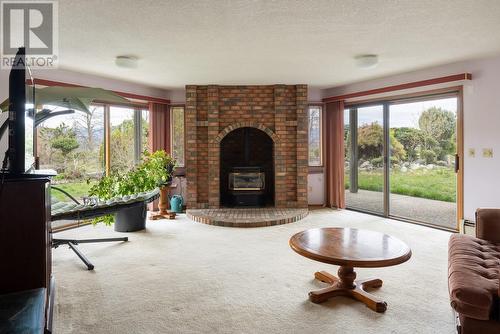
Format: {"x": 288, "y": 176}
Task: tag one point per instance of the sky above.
{"x": 117, "y": 116}
{"x": 404, "y": 115}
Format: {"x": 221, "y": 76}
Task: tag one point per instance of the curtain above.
{"x": 159, "y": 133}
{"x": 159, "y": 127}
{"x": 334, "y": 157}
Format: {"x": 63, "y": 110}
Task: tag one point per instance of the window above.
{"x": 122, "y": 139}
{"x": 315, "y": 154}
{"x": 75, "y": 145}
{"x": 144, "y": 130}
{"x": 177, "y": 141}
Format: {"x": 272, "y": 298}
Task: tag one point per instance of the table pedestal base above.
{"x": 345, "y": 285}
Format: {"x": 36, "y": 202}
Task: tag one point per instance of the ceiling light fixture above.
{"x": 366, "y": 61}
{"x": 126, "y": 61}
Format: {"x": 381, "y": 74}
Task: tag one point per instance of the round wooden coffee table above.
{"x": 349, "y": 248}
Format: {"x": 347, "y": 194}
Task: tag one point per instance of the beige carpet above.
{"x": 185, "y": 277}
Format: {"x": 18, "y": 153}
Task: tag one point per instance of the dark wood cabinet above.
{"x": 25, "y": 238}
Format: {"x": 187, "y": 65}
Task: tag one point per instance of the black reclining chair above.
{"x": 76, "y": 211}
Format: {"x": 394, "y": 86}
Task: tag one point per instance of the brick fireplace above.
{"x": 230, "y": 127}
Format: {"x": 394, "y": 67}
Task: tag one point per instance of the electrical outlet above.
{"x": 487, "y": 153}
{"x": 472, "y": 152}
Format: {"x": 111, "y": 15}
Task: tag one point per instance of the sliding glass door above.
{"x": 365, "y": 181}
{"x": 422, "y": 177}
{"x": 401, "y": 159}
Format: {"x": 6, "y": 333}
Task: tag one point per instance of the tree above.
{"x": 122, "y": 146}
{"x": 398, "y": 151}
{"x": 411, "y": 139}
{"x": 371, "y": 143}
{"x": 44, "y": 145}
{"x": 145, "y": 132}
{"x": 64, "y": 139}
{"x": 438, "y": 125}
{"x": 89, "y": 125}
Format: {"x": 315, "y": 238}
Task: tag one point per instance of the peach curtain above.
{"x": 159, "y": 133}
{"x": 334, "y": 157}
{"x": 159, "y": 127}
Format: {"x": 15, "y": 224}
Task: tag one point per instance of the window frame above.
{"x": 321, "y": 151}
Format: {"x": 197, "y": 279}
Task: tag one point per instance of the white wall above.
{"x": 314, "y": 94}
{"x": 481, "y": 123}
{"x": 177, "y": 96}
{"x": 315, "y": 189}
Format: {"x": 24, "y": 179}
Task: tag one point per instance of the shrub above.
{"x": 377, "y": 162}
{"x": 371, "y": 142}
{"x": 411, "y": 139}
{"x": 428, "y": 156}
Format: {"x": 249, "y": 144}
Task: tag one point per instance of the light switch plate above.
{"x": 472, "y": 152}
{"x": 487, "y": 153}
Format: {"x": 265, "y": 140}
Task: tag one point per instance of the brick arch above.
{"x": 238, "y": 125}
{"x": 214, "y": 163}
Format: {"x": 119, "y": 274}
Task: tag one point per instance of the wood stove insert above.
{"x": 247, "y": 186}
{"x": 247, "y": 173}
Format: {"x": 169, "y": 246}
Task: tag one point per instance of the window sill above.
{"x": 316, "y": 169}
{"x": 180, "y": 171}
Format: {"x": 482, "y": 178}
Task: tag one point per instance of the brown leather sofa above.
{"x": 473, "y": 275}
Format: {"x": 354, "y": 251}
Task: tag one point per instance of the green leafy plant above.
{"x": 371, "y": 142}
{"x": 428, "y": 156}
{"x": 155, "y": 170}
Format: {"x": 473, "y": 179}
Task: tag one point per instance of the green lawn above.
{"x": 77, "y": 189}
{"x": 438, "y": 184}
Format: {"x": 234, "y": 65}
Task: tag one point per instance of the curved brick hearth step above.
{"x": 242, "y": 217}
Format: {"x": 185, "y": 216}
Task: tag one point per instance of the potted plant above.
{"x": 155, "y": 170}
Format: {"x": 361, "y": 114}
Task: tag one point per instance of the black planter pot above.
{"x": 131, "y": 219}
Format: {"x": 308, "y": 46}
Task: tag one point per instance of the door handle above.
{"x": 457, "y": 163}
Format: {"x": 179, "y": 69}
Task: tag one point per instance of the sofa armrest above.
{"x": 488, "y": 224}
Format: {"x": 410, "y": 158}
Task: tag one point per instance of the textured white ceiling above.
{"x": 183, "y": 42}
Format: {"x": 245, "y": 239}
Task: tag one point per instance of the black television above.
{"x": 21, "y": 114}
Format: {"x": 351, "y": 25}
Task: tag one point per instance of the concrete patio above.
{"x": 420, "y": 209}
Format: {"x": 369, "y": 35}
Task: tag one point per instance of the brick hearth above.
{"x": 214, "y": 111}
{"x": 258, "y": 217}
